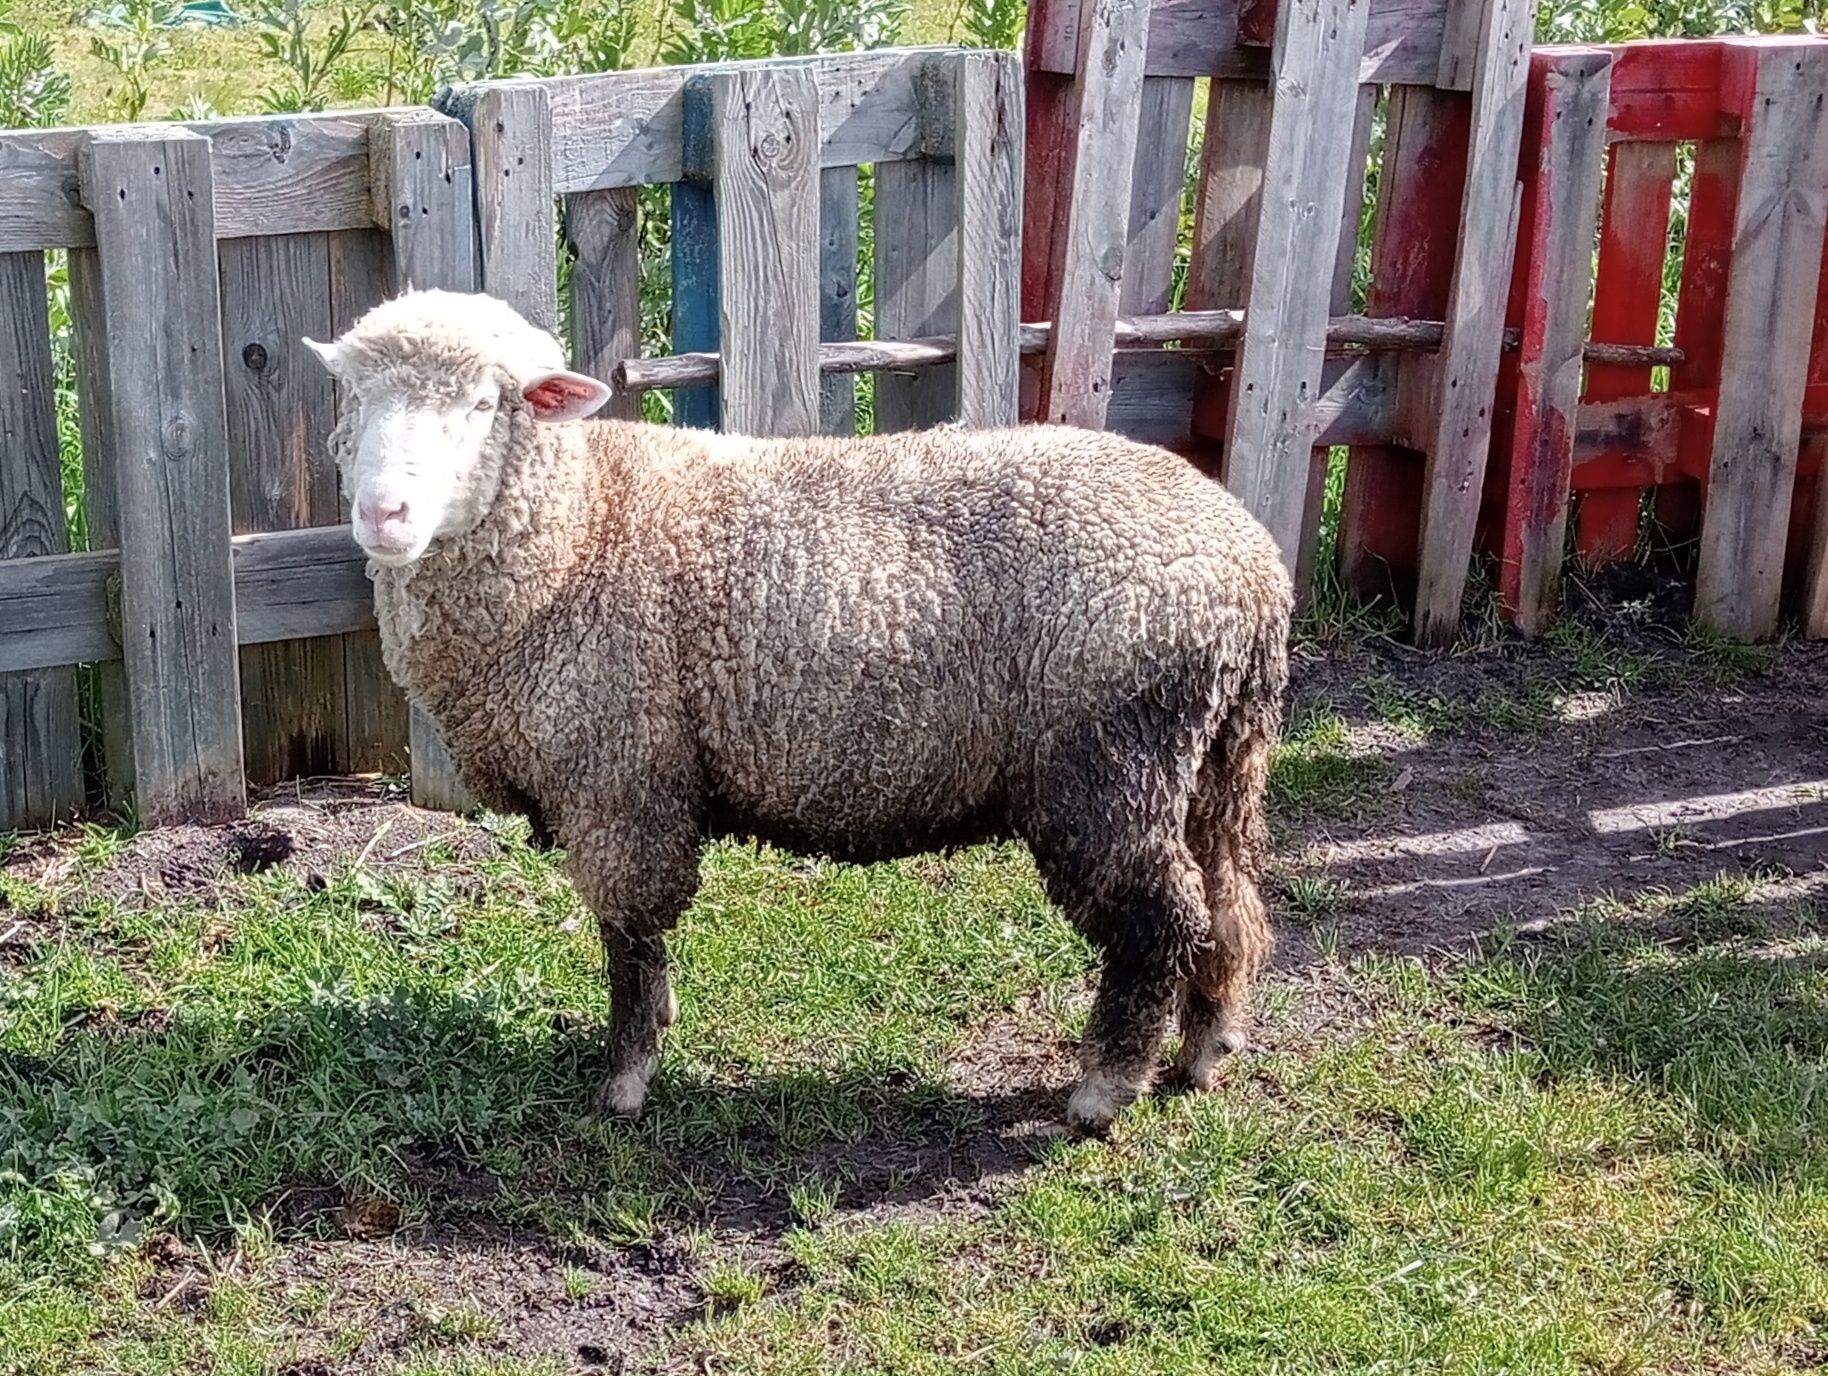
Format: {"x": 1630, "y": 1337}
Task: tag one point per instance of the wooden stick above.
{"x": 1212, "y": 330}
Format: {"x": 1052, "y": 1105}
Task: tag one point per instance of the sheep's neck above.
{"x": 448, "y": 620}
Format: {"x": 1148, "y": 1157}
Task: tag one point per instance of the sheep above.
{"x": 647, "y": 638}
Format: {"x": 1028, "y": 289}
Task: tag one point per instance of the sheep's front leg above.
{"x": 638, "y": 885}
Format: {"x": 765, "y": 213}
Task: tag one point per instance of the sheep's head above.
{"x": 435, "y": 387}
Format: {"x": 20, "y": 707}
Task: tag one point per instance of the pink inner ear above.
{"x": 558, "y": 395}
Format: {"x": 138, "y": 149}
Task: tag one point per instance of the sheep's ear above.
{"x": 330, "y": 355}
{"x": 559, "y": 396}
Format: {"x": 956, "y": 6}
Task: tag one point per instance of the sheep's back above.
{"x": 876, "y": 632}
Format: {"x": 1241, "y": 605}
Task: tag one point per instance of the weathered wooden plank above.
{"x": 275, "y": 174}
{"x": 1468, "y": 363}
{"x": 1273, "y": 429}
{"x": 1780, "y": 216}
{"x": 839, "y": 208}
{"x": 1192, "y": 38}
{"x": 1225, "y": 224}
{"x": 1156, "y": 184}
{"x": 89, "y": 331}
{"x": 917, "y": 286}
{"x": 288, "y": 584}
{"x": 280, "y": 407}
{"x": 615, "y": 129}
{"x": 603, "y": 231}
{"x": 1630, "y": 442}
{"x": 424, "y": 178}
{"x": 761, "y": 125}
{"x": 360, "y": 266}
{"x": 1627, "y": 295}
{"x": 1412, "y": 256}
{"x": 1106, "y": 107}
{"x": 511, "y": 144}
{"x": 40, "y": 736}
{"x": 1666, "y": 90}
{"x": 1564, "y": 155}
{"x": 693, "y": 265}
{"x": 987, "y": 110}
{"x": 1151, "y": 392}
{"x": 151, "y": 193}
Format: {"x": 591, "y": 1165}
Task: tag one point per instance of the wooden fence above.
{"x": 1481, "y": 279}
{"x": 222, "y": 614}
{"x": 1729, "y": 442}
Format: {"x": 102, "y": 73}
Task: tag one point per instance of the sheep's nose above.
{"x": 381, "y": 515}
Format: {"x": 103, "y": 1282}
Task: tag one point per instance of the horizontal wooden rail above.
{"x": 1210, "y": 330}
{"x": 289, "y": 584}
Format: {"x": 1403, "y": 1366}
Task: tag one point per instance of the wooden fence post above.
{"x": 1466, "y": 370}
{"x": 41, "y": 778}
{"x": 151, "y": 192}
{"x": 987, "y": 125}
{"x": 763, "y": 139}
{"x": 918, "y": 265}
{"x": 1778, "y": 223}
{"x": 839, "y": 207}
{"x": 1102, "y": 123}
{"x": 603, "y": 230}
{"x": 421, "y": 188}
{"x": 1550, "y": 280}
{"x": 1319, "y": 44}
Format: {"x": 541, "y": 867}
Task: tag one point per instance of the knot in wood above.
{"x": 770, "y": 146}
{"x": 255, "y": 356}
{"x": 177, "y": 436}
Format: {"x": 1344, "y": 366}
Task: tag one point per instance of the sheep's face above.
{"x": 424, "y": 455}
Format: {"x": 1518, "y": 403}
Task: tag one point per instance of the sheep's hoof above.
{"x": 622, "y": 1094}
{"x": 1097, "y": 1101}
{"x": 1198, "y": 1064}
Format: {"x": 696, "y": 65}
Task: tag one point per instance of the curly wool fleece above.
{"x": 648, "y": 637}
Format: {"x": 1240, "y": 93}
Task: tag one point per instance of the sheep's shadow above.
{"x": 432, "y": 1109}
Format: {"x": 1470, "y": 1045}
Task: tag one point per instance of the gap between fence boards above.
{"x": 1216, "y": 331}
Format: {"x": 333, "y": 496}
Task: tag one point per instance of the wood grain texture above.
{"x": 626, "y": 128}
{"x": 1627, "y": 297}
{"x": 1273, "y": 427}
{"x": 1412, "y": 257}
{"x": 1193, "y": 38}
{"x": 1225, "y": 214}
{"x": 1780, "y": 214}
{"x": 693, "y": 265}
{"x": 602, "y": 229}
{"x": 917, "y": 286}
{"x": 288, "y": 584}
{"x": 1467, "y": 369}
{"x": 151, "y": 193}
{"x": 280, "y": 406}
{"x": 764, "y": 140}
{"x": 275, "y": 174}
{"x": 839, "y": 209}
{"x": 1106, "y": 110}
{"x": 41, "y": 778}
{"x": 88, "y": 328}
{"x": 511, "y": 144}
{"x": 988, "y": 116}
{"x": 424, "y": 180}
{"x": 360, "y": 268}
{"x": 1152, "y": 390}
{"x": 1564, "y": 156}
{"x": 1156, "y": 183}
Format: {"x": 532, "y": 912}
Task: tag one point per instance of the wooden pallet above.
{"x": 1732, "y": 446}
{"x": 1282, "y": 177}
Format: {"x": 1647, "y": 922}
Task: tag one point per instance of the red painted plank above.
{"x": 1634, "y": 238}
{"x": 1412, "y": 258}
{"x": 1668, "y": 90}
{"x": 1533, "y": 438}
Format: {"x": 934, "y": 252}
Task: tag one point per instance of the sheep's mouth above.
{"x": 391, "y": 553}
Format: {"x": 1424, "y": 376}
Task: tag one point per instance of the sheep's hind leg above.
{"x": 642, "y": 1005}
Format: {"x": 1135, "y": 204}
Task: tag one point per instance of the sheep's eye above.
{"x": 484, "y": 406}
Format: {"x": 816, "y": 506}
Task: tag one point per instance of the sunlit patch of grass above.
{"x": 1317, "y": 769}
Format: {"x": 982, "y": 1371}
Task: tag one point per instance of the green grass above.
{"x": 1596, "y": 1151}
